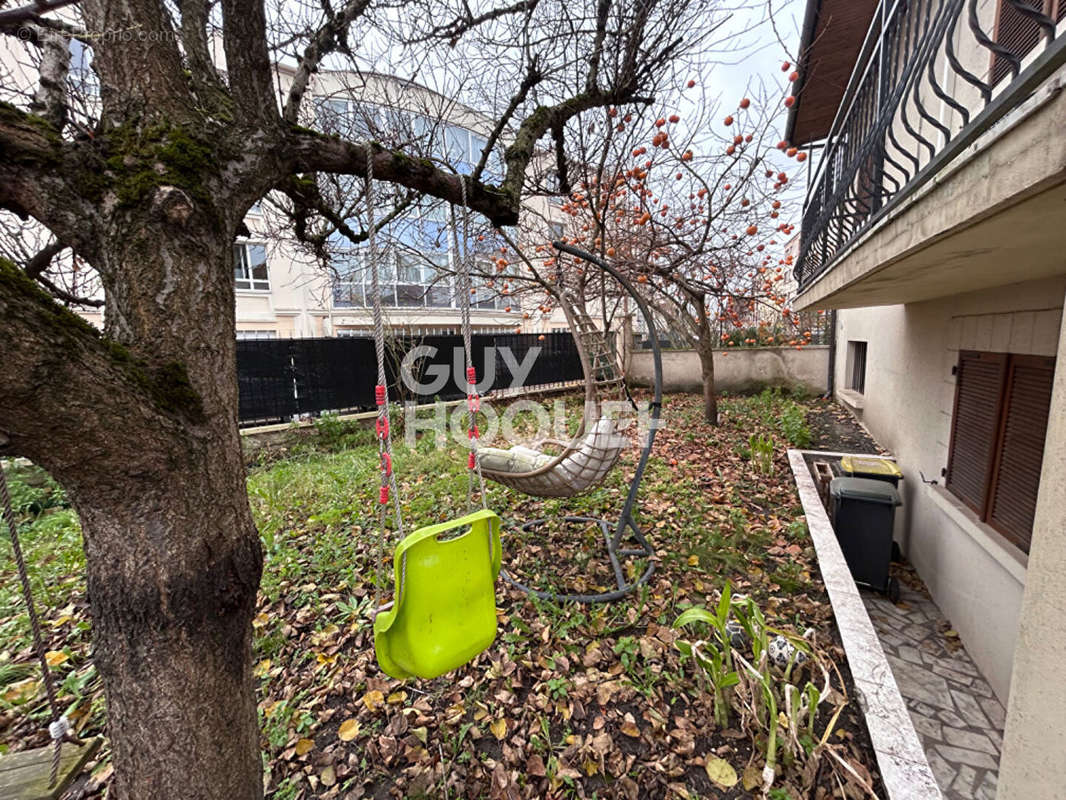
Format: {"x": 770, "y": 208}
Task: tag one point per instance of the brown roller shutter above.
{"x": 974, "y": 424}
{"x": 1012, "y": 496}
{"x": 1018, "y": 33}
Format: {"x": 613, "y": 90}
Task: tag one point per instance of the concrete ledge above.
{"x": 738, "y": 369}
{"x": 854, "y": 400}
{"x": 904, "y": 768}
{"x": 1006, "y": 554}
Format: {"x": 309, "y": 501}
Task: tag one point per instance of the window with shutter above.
{"x": 1020, "y": 451}
{"x": 997, "y": 438}
{"x": 974, "y": 424}
{"x": 1020, "y": 33}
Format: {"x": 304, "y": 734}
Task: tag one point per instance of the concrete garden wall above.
{"x": 742, "y": 369}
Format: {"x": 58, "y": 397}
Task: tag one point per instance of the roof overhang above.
{"x": 831, "y": 43}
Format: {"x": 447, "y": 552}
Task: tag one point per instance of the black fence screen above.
{"x": 282, "y": 378}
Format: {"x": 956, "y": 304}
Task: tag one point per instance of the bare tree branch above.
{"x": 40, "y": 261}
{"x": 50, "y": 100}
{"x": 324, "y": 42}
{"x": 468, "y": 21}
{"x": 30, "y": 12}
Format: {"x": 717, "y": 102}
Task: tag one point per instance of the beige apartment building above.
{"x": 282, "y": 291}
{"x": 935, "y": 225}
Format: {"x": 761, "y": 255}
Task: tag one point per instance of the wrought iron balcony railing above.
{"x": 932, "y": 76}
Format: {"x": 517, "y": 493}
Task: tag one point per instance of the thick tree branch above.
{"x": 248, "y": 57}
{"x": 561, "y": 167}
{"x": 194, "y": 16}
{"x": 592, "y": 78}
{"x": 33, "y": 30}
{"x": 50, "y": 99}
{"x": 65, "y": 385}
{"x": 30, "y": 12}
{"x": 142, "y": 74}
{"x": 36, "y": 265}
{"x": 546, "y": 118}
{"x": 308, "y": 151}
{"x": 39, "y": 175}
{"x": 331, "y": 35}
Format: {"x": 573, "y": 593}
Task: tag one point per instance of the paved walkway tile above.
{"x": 956, "y": 714}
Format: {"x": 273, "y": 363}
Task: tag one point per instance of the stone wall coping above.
{"x": 905, "y": 771}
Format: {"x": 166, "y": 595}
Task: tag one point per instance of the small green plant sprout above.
{"x": 764, "y": 678}
{"x": 762, "y": 453}
{"x": 793, "y": 424}
{"x": 714, "y": 656}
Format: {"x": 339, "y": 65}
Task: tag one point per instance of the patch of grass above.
{"x": 708, "y": 515}
{"x": 51, "y": 543}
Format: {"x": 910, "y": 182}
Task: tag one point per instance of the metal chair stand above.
{"x": 615, "y": 540}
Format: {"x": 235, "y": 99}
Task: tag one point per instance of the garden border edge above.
{"x": 905, "y": 770}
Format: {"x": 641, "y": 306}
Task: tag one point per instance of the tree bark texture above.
{"x": 705, "y": 349}
{"x": 140, "y": 427}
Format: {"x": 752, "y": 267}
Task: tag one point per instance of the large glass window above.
{"x": 414, "y": 273}
{"x": 439, "y": 289}
{"x": 250, "y": 268}
{"x": 348, "y": 286}
{"x": 408, "y": 280}
{"x": 410, "y": 285}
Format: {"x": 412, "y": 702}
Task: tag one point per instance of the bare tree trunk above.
{"x": 705, "y": 350}
{"x": 141, "y": 430}
{"x": 705, "y": 343}
{"x": 174, "y": 564}
{"x": 174, "y": 557}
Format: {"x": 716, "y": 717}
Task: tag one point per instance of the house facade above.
{"x": 935, "y": 228}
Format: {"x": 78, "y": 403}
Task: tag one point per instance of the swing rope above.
{"x": 387, "y": 486}
{"x": 59, "y": 727}
{"x": 473, "y": 399}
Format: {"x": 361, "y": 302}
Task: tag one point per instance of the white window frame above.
{"x": 244, "y": 263}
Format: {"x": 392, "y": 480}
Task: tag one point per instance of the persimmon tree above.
{"x": 693, "y": 206}
{"x": 148, "y": 185}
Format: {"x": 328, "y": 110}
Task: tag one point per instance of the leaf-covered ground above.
{"x": 570, "y": 701}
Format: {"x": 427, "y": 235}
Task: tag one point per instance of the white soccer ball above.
{"x": 780, "y": 650}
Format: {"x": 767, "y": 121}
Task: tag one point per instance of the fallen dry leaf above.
{"x": 499, "y": 728}
{"x": 721, "y": 772}
{"x": 373, "y": 699}
{"x": 328, "y": 776}
{"x": 535, "y": 766}
{"x": 348, "y": 730}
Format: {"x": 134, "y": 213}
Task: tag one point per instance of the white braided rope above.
{"x": 60, "y": 728}
{"x": 464, "y": 257}
{"x": 388, "y": 476}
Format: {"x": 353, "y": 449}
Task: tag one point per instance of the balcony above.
{"x": 944, "y": 162}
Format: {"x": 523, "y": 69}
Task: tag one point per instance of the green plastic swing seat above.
{"x": 444, "y": 612}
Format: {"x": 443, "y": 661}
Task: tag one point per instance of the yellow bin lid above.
{"x": 870, "y": 465}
